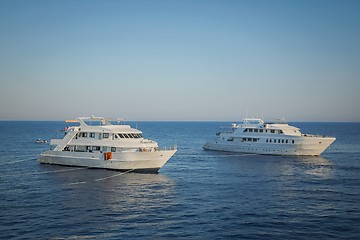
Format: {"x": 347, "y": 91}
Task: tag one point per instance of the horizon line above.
{"x": 126, "y": 120}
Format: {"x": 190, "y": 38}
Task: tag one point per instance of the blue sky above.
{"x": 180, "y": 60}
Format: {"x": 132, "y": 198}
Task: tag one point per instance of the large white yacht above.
{"x": 106, "y": 143}
{"x": 278, "y": 138}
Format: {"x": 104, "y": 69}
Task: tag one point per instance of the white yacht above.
{"x": 278, "y": 138}
{"x": 106, "y": 143}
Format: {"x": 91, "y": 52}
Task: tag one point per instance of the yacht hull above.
{"x": 124, "y": 161}
{"x": 306, "y": 146}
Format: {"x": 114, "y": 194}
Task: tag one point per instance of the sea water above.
{"x": 198, "y": 194}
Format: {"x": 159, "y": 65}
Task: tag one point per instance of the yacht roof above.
{"x": 104, "y": 124}
{"x": 279, "y": 123}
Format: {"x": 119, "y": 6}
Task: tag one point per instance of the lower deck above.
{"x": 299, "y": 147}
{"x": 122, "y": 161}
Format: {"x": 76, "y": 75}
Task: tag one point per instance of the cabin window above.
{"x": 92, "y": 135}
{"x": 270, "y": 140}
{"x": 256, "y": 130}
{"x": 230, "y": 139}
{"x": 245, "y": 130}
{"x": 249, "y": 139}
{"x": 282, "y": 141}
{"x": 293, "y": 141}
{"x": 267, "y": 140}
{"x": 281, "y": 131}
{"x": 125, "y": 135}
{"x": 95, "y": 148}
{"x": 278, "y": 140}
{"x": 113, "y": 149}
{"x": 104, "y": 149}
{"x": 272, "y": 131}
{"x": 105, "y": 135}
{"x": 250, "y": 130}
{"x": 261, "y": 130}
{"x": 84, "y": 135}
{"x": 287, "y": 141}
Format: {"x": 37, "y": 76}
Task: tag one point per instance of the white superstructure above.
{"x": 256, "y": 136}
{"x": 110, "y": 144}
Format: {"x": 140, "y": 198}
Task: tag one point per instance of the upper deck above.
{"x": 101, "y": 133}
{"x": 257, "y": 125}
{"x": 101, "y": 124}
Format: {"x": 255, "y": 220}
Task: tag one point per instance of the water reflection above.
{"x": 317, "y": 166}
{"x": 117, "y": 194}
{"x": 270, "y": 165}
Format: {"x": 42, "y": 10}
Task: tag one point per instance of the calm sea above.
{"x": 197, "y": 195}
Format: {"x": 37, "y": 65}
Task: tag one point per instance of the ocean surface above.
{"x": 198, "y": 194}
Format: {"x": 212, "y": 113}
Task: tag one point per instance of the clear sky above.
{"x": 180, "y": 60}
